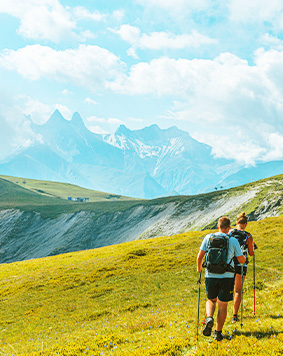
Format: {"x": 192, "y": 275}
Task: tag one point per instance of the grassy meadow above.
{"x": 137, "y": 298}
{"x": 62, "y": 190}
{"x": 50, "y": 198}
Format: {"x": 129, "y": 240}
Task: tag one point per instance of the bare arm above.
{"x": 199, "y": 260}
{"x": 250, "y": 244}
{"x": 241, "y": 259}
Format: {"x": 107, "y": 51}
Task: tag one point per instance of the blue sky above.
{"x": 213, "y": 68}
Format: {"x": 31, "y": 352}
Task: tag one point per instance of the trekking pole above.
{"x": 255, "y": 247}
{"x": 199, "y": 282}
{"x": 242, "y": 293}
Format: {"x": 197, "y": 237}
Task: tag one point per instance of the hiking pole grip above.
{"x": 199, "y": 282}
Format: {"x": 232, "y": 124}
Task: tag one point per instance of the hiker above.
{"x": 219, "y": 277}
{"x": 247, "y": 245}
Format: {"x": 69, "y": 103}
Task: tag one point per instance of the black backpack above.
{"x": 216, "y": 259}
{"x": 242, "y": 237}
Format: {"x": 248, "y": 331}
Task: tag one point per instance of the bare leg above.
{"x": 221, "y": 316}
{"x": 210, "y": 306}
{"x": 237, "y": 292}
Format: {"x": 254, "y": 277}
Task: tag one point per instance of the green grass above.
{"x": 137, "y": 298}
{"x": 50, "y": 198}
{"x": 62, "y": 190}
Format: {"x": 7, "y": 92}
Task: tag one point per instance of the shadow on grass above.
{"x": 258, "y": 334}
{"x": 276, "y": 316}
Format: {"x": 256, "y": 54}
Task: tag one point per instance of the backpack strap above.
{"x": 229, "y": 267}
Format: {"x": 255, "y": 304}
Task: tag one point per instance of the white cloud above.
{"x": 257, "y": 11}
{"x": 96, "y": 119}
{"x": 239, "y": 147}
{"x": 98, "y": 130}
{"x": 8, "y": 137}
{"x": 90, "y": 101}
{"x": 64, "y": 110}
{"x": 226, "y": 94}
{"x": 86, "y": 35}
{"x": 129, "y": 33}
{"x": 67, "y": 92}
{"x": 275, "y": 143}
{"x": 135, "y": 119}
{"x": 89, "y": 66}
{"x": 114, "y": 121}
{"x": 178, "y": 6}
{"x": 226, "y": 78}
{"x": 271, "y": 41}
{"x": 160, "y": 40}
{"x": 16, "y": 132}
{"x": 118, "y": 15}
{"x": 38, "y": 111}
{"x": 82, "y": 13}
{"x": 111, "y": 120}
{"x": 248, "y": 150}
{"x": 45, "y": 19}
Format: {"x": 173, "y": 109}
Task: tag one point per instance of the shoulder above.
{"x": 249, "y": 238}
{"x": 205, "y": 242}
{"x": 236, "y": 232}
{"x": 249, "y": 235}
{"x": 222, "y": 235}
{"x": 233, "y": 240}
{"x": 208, "y": 236}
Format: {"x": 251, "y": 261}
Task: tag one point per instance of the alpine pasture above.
{"x": 137, "y": 298}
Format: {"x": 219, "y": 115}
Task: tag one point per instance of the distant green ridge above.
{"x": 63, "y": 190}
{"x": 12, "y": 195}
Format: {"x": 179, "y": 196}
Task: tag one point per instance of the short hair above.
{"x": 224, "y": 222}
{"x": 242, "y": 219}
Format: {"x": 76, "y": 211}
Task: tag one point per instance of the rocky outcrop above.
{"x": 26, "y": 235}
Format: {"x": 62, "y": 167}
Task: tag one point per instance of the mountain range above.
{"x": 146, "y": 163}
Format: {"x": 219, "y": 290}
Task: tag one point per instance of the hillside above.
{"x": 12, "y": 195}
{"x": 137, "y": 299}
{"x": 55, "y": 190}
{"x": 38, "y": 225}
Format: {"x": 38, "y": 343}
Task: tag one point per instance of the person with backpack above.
{"x": 247, "y": 245}
{"x": 219, "y": 250}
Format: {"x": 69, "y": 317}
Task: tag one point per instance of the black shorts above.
{"x": 220, "y": 287}
{"x": 238, "y": 270}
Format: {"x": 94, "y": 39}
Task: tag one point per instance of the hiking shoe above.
{"x": 208, "y": 326}
{"x": 218, "y": 336}
{"x": 235, "y": 318}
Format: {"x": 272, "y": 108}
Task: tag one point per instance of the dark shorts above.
{"x": 238, "y": 270}
{"x": 220, "y": 287}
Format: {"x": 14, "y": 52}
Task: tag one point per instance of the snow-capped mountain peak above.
{"x": 144, "y": 163}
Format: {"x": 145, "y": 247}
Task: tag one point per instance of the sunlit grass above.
{"x": 137, "y": 298}
{"x": 61, "y": 190}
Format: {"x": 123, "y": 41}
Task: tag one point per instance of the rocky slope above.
{"x": 26, "y": 234}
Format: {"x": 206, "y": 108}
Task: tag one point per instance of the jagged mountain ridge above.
{"x": 172, "y": 157}
{"x": 145, "y": 163}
